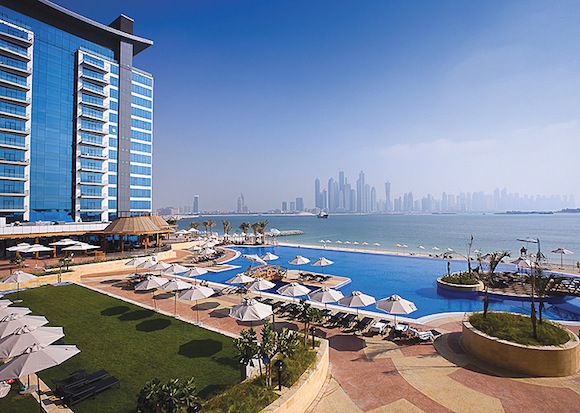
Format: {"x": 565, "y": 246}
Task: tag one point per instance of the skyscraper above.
{"x": 388, "y": 204}
{"x": 76, "y": 118}
{"x": 196, "y": 204}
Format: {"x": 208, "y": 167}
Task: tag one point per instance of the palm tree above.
{"x": 541, "y": 287}
{"x": 194, "y": 225}
{"x": 245, "y": 226}
{"x": 255, "y": 227}
{"x": 210, "y": 224}
{"x": 206, "y": 225}
{"x": 308, "y": 315}
{"x": 227, "y": 226}
{"x": 262, "y": 229}
{"x": 486, "y": 278}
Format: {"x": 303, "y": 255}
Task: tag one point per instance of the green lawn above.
{"x": 133, "y": 344}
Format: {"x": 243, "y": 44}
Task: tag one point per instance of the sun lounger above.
{"x": 74, "y": 376}
{"x": 337, "y": 318}
{"x": 90, "y": 390}
{"x": 379, "y": 327}
{"x": 73, "y": 387}
{"x": 364, "y": 323}
{"x": 422, "y": 335}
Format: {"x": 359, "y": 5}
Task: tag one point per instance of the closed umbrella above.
{"x": 396, "y": 305}
{"x": 326, "y": 295}
{"x": 562, "y": 251}
{"x": 19, "y": 277}
{"x": 357, "y": 299}
{"x": 251, "y": 310}
{"x": 196, "y": 292}
{"x": 17, "y": 343}
{"x": 175, "y": 285}
{"x": 29, "y": 322}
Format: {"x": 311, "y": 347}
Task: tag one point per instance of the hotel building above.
{"x": 76, "y": 118}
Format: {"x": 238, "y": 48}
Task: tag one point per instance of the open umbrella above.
{"x": 135, "y": 262}
{"x": 396, "y": 305}
{"x": 174, "y": 269}
{"x": 5, "y": 303}
{"x": 254, "y": 258}
{"x": 35, "y": 359}
{"x": 147, "y": 263}
{"x": 63, "y": 242}
{"x": 159, "y": 266}
{"x": 326, "y": 295}
{"x": 81, "y": 246}
{"x": 240, "y": 278}
{"x": 151, "y": 283}
{"x": 260, "y": 284}
{"x": 299, "y": 260}
{"x": 12, "y": 313}
{"x": 269, "y": 257}
{"x": 251, "y": 310}
{"x": 194, "y": 272}
{"x": 357, "y": 299}
{"x": 322, "y": 262}
{"x": 29, "y": 322}
{"x": 562, "y": 251}
{"x": 19, "y": 247}
{"x": 196, "y": 292}
{"x": 35, "y": 249}
{"x": 17, "y": 343}
{"x": 19, "y": 277}
{"x": 293, "y": 289}
{"x": 175, "y": 285}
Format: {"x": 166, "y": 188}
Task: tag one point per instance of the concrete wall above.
{"x": 550, "y": 361}
{"x": 306, "y": 389}
{"x": 458, "y": 287}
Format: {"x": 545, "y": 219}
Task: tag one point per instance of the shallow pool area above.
{"x": 413, "y": 278}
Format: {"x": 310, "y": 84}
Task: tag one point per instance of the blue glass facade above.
{"x": 59, "y": 104}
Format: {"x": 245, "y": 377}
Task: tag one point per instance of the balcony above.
{"x": 97, "y": 91}
{"x": 98, "y": 131}
{"x": 12, "y": 208}
{"x": 104, "y": 81}
{"x": 92, "y": 142}
{"x": 15, "y": 68}
{"x": 94, "y": 103}
{"x": 91, "y": 155}
{"x": 92, "y": 168}
{"x": 15, "y": 36}
{"x": 13, "y": 144}
{"x": 13, "y": 176}
{"x": 92, "y": 208}
{"x": 91, "y": 116}
{"x": 13, "y": 114}
{"x": 91, "y": 195}
{"x": 14, "y": 82}
{"x": 94, "y": 65}
{"x": 13, "y": 192}
{"x": 14, "y": 161}
{"x": 95, "y": 182}
{"x": 11, "y": 50}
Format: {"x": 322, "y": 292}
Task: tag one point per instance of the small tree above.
{"x": 247, "y": 346}
{"x": 170, "y": 397}
{"x": 486, "y": 278}
{"x": 268, "y": 350}
{"x": 540, "y": 286}
{"x": 18, "y": 261}
{"x": 308, "y": 315}
{"x": 288, "y": 342}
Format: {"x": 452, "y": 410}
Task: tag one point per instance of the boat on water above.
{"x": 322, "y": 214}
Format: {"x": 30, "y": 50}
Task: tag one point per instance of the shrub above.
{"x": 518, "y": 329}
{"x": 461, "y": 278}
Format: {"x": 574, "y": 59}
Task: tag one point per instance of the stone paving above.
{"x": 377, "y": 375}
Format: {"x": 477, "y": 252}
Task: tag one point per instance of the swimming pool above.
{"x": 413, "y": 278}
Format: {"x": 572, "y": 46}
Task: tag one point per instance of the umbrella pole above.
{"x": 175, "y": 305}
{"x": 38, "y": 390}
{"x": 197, "y": 311}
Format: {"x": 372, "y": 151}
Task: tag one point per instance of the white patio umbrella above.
{"x": 357, "y": 299}
{"x": 338, "y": 242}
{"x": 5, "y": 303}
{"x": 299, "y": 260}
{"x": 175, "y": 286}
{"x": 196, "y": 292}
{"x": 81, "y": 246}
{"x": 148, "y": 263}
{"x": 151, "y": 283}
{"x": 208, "y": 251}
{"x": 135, "y": 262}
{"x": 326, "y": 295}
{"x": 29, "y": 322}
{"x": 251, "y": 310}
{"x": 194, "y": 272}
{"x": 396, "y": 305}
{"x": 522, "y": 262}
{"x": 174, "y": 269}
{"x": 35, "y": 249}
{"x": 19, "y": 247}
{"x": 365, "y": 243}
{"x": 322, "y": 262}
{"x": 260, "y": 284}
{"x": 63, "y": 242}
{"x": 35, "y": 359}
{"x": 19, "y": 277}
{"x": 434, "y": 248}
{"x": 269, "y": 257}
{"x": 293, "y": 289}
{"x": 159, "y": 266}
{"x": 195, "y": 248}
{"x": 12, "y": 313}
{"x": 240, "y": 278}
{"x": 17, "y": 343}
{"x": 254, "y": 258}
{"x": 562, "y": 251}
{"x": 421, "y": 247}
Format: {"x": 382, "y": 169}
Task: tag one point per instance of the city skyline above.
{"x": 436, "y": 96}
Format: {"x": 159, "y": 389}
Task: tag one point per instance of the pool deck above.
{"x": 372, "y": 374}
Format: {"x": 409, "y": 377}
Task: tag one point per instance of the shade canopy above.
{"x": 326, "y": 295}
{"x": 194, "y": 272}
{"x": 12, "y": 313}
{"x": 5, "y": 303}
{"x": 63, "y": 242}
{"x": 27, "y": 322}
{"x": 269, "y": 257}
{"x": 240, "y": 279}
{"x": 562, "y": 251}
{"x": 260, "y": 284}
{"x": 36, "y": 359}
{"x": 36, "y": 248}
{"x": 147, "y": 263}
{"x": 293, "y": 289}
{"x": 151, "y": 283}
{"x": 175, "y": 269}
{"x": 81, "y": 246}
{"x": 175, "y": 285}
{"x": 159, "y": 266}
{"x": 135, "y": 262}
{"x": 396, "y": 305}
{"x": 254, "y": 258}
{"x": 18, "y": 247}
{"x": 299, "y": 260}
{"x": 523, "y": 263}
{"x": 322, "y": 262}
{"x": 196, "y": 292}
{"x": 19, "y": 277}
{"x": 357, "y": 299}
{"x": 16, "y": 344}
{"x": 251, "y": 310}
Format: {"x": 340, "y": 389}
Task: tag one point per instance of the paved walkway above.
{"x": 372, "y": 374}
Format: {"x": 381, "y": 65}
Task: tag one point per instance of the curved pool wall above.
{"x": 411, "y": 277}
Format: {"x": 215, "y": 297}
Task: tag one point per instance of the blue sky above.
{"x": 261, "y": 97}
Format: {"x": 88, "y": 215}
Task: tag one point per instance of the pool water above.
{"x": 413, "y": 278}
